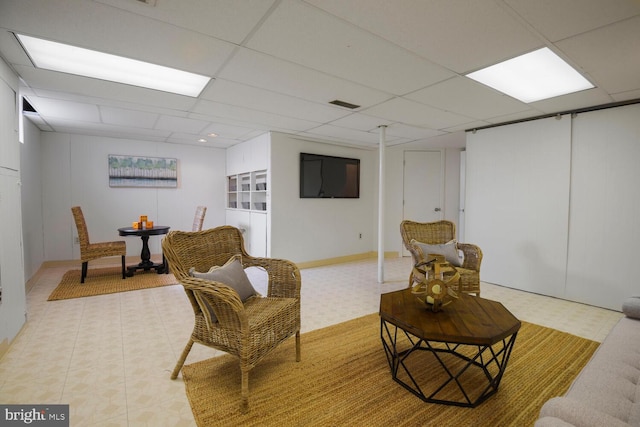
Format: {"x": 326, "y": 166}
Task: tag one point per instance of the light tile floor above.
{"x": 110, "y": 356}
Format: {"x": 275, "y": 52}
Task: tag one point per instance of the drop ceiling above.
{"x": 277, "y": 64}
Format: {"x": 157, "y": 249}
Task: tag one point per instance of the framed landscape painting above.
{"x": 132, "y": 171}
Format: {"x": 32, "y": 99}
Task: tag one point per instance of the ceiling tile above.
{"x": 609, "y": 55}
{"x": 464, "y": 96}
{"x": 573, "y": 101}
{"x": 227, "y": 131}
{"x": 129, "y": 118}
{"x": 411, "y": 132}
{"x": 260, "y": 70}
{"x": 242, "y": 95}
{"x": 276, "y": 122}
{"x": 101, "y": 129}
{"x": 557, "y": 20}
{"x": 461, "y": 36}
{"x": 307, "y": 36}
{"x": 228, "y": 20}
{"x": 66, "y": 83}
{"x": 66, "y": 110}
{"x": 351, "y": 135}
{"x": 181, "y": 124}
{"x": 417, "y": 114}
{"x": 361, "y": 122}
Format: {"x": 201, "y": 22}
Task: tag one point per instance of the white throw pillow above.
{"x": 449, "y": 250}
{"x": 631, "y": 307}
{"x": 231, "y": 274}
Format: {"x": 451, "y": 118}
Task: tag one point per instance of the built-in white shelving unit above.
{"x": 247, "y": 191}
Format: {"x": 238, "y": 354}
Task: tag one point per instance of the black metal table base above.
{"x": 472, "y": 373}
{"x": 146, "y": 264}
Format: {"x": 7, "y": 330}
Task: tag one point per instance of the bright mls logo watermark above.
{"x": 36, "y": 415}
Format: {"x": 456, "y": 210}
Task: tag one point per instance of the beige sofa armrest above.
{"x": 576, "y": 413}
{"x": 552, "y": 422}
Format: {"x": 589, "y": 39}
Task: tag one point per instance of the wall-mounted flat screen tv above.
{"x": 328, "y": 177}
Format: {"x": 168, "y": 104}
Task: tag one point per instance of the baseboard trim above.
{"x": 344, "y": 259}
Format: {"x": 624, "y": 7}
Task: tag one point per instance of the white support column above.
{"x": 381, "y": 200}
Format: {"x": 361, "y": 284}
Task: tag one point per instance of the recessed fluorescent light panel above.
{"x": 89, "y": 63}
{"x": 537, "y": 75}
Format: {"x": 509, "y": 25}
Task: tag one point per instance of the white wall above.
{"x": 13, "y": 303}
{"x": 305, "y": 230}
{"x": 32, "y": 219}
{"x": 75, "y": 172}
{"x": 314, "y": 229}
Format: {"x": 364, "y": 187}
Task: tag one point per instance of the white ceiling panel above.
{"x": 188, "y": 139}
{"x": 181, "y": 124}
{"x": 574, "y": 101}
{"x": 626, "y": 96}
{"x": 83, "y": 86}
{"x": 101, "y": 129}
{"x": 351, "y": 135}
{"x": 128, "y": 118}
{"x": 362, "y": 122}
{"x": 557, "y": 20}
{"x": 467, "y": 97}
{"x": 66, "y": 110}
{"x": 306, "y": 36}
{"x": 259, "y": 70}
{"x": 229, "y": 20}
{"x": 610, "y": 55}
{"x": 411, "y": 133}
{"x": 413, "y": 113}
{"x": 276, "y": 64}
{"x": 241, "y": 95}
{"x": 227, "y": 131}
{"x": 459, "y": 35}
{"x": 249, "y": 115}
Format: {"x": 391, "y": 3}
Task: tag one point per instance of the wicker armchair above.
{"x": 441, "y": 232}
{"x": 198, "y": 220}
{"x": 248, "y": 330}
{"x": 90, "y": 251}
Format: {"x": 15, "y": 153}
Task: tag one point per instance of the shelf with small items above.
{"x": 247, "y": 191}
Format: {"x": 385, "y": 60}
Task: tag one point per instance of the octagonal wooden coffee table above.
{"x": 456, "y": 356}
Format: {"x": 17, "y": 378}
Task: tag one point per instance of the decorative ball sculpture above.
{"x": 434, "y": 280}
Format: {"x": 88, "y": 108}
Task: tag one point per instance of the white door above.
{"x": 423, "y": 187}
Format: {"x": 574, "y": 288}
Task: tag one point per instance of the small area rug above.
{"x": 344, "y": 380}
{"x": 100, "y": 281}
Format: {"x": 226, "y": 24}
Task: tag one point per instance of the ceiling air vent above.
{"x": 27, "y": 107}
{"x": 344, "y": 104}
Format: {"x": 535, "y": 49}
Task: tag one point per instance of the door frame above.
{"x": 441, "y": 202}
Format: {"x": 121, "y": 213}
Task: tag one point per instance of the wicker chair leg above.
{"x": 244, "y": 403}
{"x": 84, "y": 271}
{"x": 298, "y": 346}
{"x": 183, "y": 357}
{"x": 124, "y": 269}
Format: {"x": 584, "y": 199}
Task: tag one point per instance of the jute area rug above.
{"x": 344, "y": 380}
{"x": 102, "y": 281}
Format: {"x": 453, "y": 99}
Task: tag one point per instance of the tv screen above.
{"x": 328, "y": 177}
